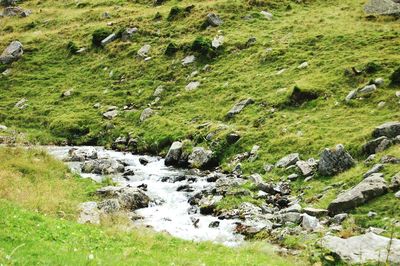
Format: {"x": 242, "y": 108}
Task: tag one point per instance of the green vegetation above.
{"x": 38, "y": 200}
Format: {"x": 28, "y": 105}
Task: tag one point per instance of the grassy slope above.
{"x": 38, "y": 199}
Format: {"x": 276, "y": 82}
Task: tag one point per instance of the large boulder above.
{"x": 103, "y": 167}
{"x": 200, "y": 157}
{"x": 389, "y": 130}
{"x": 239, "y": 107}
{"x": 133, "y": 199}
{"x": 368, "y": 248}
{"x": 288, "y": 160}
{"x": 377, "y": 145}
{"x": 370, "y": 188}
{"x": 81, "y": 154}
{"x": 89, "y": 213}
{"x": 174, "y": 154}
{"x": 334, "y": 161}
{"x": 13, "y": 52}
{"x": 383, "y": 7}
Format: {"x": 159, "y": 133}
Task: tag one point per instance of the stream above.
{"x": 169, "y": 210}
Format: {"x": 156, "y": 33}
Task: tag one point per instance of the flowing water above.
{"x": 170, "y": 214}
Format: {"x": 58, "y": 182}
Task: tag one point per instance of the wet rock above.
{"x": 200, "y": 157}
{"x": 89, "y": 213}
{"x": 174, "y": 154}
{"x": 208, "y": 204}
{"x": 146, "y": 114}
{"x": 382, "y": 7}
{"x": 389, "y": 130}
{"x": 133, "y": 199}
{"x": 364, "y": 248}
{"x": 143, "y": 161}
{"x": 185, "y": 188}
{"x": 288, "y": 160}
{"x": 375, "y": 169}
{"x": 195, "y": 221}
{"x": 334, "y": 161}
{"x": 214, "y": 224}
{"x": 13, "y": 52}
{"x": 239, "y": 107}
{"x": 128, "y": 172}
{"x": 370, "y": 188}
{"x": 109, "y": 206}
{"x": 81, "y": 155}
{"x": 103, "y": 167}
{"x": 377, "y": 145}
{"x": 316, "y": 212}
{"x": 214, "y": 20}
{"x": 310, "y": 223}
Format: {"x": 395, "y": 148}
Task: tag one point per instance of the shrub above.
{"x": 372, "y": 67}
{"x": 395, "y": 78}
{"x": 172, "y": 48}
{"x": 178, "y": 12}
{"x": 99, "y": 35}
{"x": 203, "y": 47}
{"x": 72, "y": 48}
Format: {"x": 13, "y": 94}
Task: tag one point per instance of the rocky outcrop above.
{"x": 89, "y": 213}
{"x": 382, "y": 7}
{"x": 368, "y": 248}
{"x": 200, "y": 157}
{"x": 376, "y": 145}
{"x": 370, "y": 188}
{"x": 12, "y": 53}
{"x": 335, "y": 161}
{"x": 103, "y": 167}
{"x": 288, "y": 160}
{"x": 389, "y": 130}
{"x": 239, "y": 107}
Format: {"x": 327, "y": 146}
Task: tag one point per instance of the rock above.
{"x": 143, "y": 161}
{"x": 89, "y": 213}
{"x": 375, "y": 169}
{"x": 110, "y": 38}
{"x": 127, "y": 34}
{"x": 379, "y": 82}
{"x": 67, "y": 93}
{"x": 109, "y": 206}
{"x": 13, "y": 52}
{"x": 352, "y": 94}
{"x": 103, "y": 167}
{"x": 397, "y": 194}
{"x": 367, "y": 89}
{"x": 143, "y": 52}
{"x": 381, "y": 104}
{"x": 81, "y": 155}
{"x": 214, "y": 224}
{"x": 377, "y": 145}
{"x": 146, "y": 114}
{"x": 372, "y": 214}
{"x": 214, "y": 20}
{"x": 109, "y": 191}
{"x": 390, "y": 159}
{"x": 389, "y": 130}
{"x": 303, "y": 65}
{"x": 188, "y": 60}
{"x": 239, "y": 107}
{"x": 232, "y": 138}
{"x": 208, "y": 204}
{"x": 267, "y": 15}
{"x": 174, "y": 154}
{"x": 22, "y": 104}
{"x": 395, "y": 182}
{"x": 293, "y": 177}
{"x": 382, "y": 7}
{"x": 335, "y": 161}
{"x": 310, "y": 223}
{"x": 290, "y": 217}
{"x": 200, "y": 157}
{"x": 3, "y": 128}
{"x": 192, "y": 86}
{"x": 133, "y": 199}
{"x": 339, "y": 218}
{"x": 225, "y": 184}
{"x": 288, "y": 160}
{"x": 254, "y": 153}
{"x": 315, "y": 212}
{"x": 218, "y": 41}
{"x": 13, "y": 11}
{"x": 306, "y": 167}
{"x": 293, "y": 208}
{"x": 260, "y": 184}
{"x": 110, "y": 114}
{"x": 158, "y": 91}
{"x": 365, "y": 248}
{"x": 268, "y": 167}
{"x": 368, "y": 189}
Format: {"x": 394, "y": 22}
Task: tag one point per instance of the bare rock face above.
{"x": 383, "y": 7}
{"x": 335, "y": 161}
{"x": 389, "y": 130}
{"x": 12, "y": 53}
{"x": 370, "y": 188}
{"x": 364, "y": 248}
{"x": 133, "y": 199}
{"x": 200, "y": 157}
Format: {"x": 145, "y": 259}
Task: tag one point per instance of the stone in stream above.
{"x": 288, "y": 160}
{"x": 214, "y": 224}
{"x": 133, "y": 199}
{"x": 174, "y": 154}
{"x": 389, "y": 130}
{"x": 89, "y": 213}
{"x": 383, "y": 7}
{"x": 13, "y": 52}
{"x": 239, "y": 107}
{"x": 103, "y": 167}
{"x": 367, "y": 248}
{"x": 81, "y": 155}
{"x": 208, "y": 204}
{"x": 368, "y": 189}
{"x": 335, "y": 161}
{"x": 200, "y": 157}
{"x": 377, "y": 145}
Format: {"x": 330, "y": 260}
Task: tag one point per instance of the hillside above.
{"x": 309, "y": 74}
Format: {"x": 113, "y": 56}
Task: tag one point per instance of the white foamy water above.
{"x": 170, "y": 214}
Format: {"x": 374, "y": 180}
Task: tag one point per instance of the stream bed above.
{"x": 169, "y": 210}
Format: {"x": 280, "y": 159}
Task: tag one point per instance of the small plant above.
{"x": 99, "y": 35}
{"x": 171, "y": 49}
{"x": 395, "y": 78}
{"x": 178, "y": 12}
{"x": 372, "y": 67}
{"x": 72, "y": 48}
{"x": 203, "y": 47}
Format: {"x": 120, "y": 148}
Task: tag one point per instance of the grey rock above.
{"x": 268, "y": 167}
{"x": 334, "y": 161}
{"x": 89, "y": 213}
{"x": 377, "y": 145}
{"x": 306, "y": 168}
{"x": 293, "y": 208}
{"x": 290, "y": 217}
{"x": 22, "y": 104}
{"x": 375, "y": 169}
{"x": 188, "y": 60}
{"x": 390, "y": 159}
{"x": 364, "y": 248}
{"x": 192, "y": 86}
{"x": 260, "y": 184}
{"x": 379, "y": 82}
{"x": 367, "y": 89}
{"x": 110, "y": 38}
{"x": 109, "y": 206}
{"x": 339, "y": 218}
{"x": 103, "y": 167}
{"x": 110, "y": 114}
{"x": 218, "y": 41}
{"x": 370, "y": 188}
{"x": 146, "y": 114}
{"x": 395, "y": 182}
{"x": 288, "y": 160}
{"x": 3, "y": 128}
{"x": 214, "y": 20}
{"x": 232, "y": 138}
{"x": 389, "y": 130}
{"x": 214, "y": 224}
{"x": 293, "y": 177}
{"x": 315, "y": 212}
{"x": 143, "y": 52}
{"x": 397, "y": 194}
{"x": 303, "y": 65}
{"x": 200, "y": 157}
{"x": 159, "y": 91}
{"x": 128, "y": 33}
{"x": 225, "y": 184}
{"x": 13, "y": 52}
{"x": 133, "y": 199}
{"x": 81, "y": 155}
{"x": 13, "y": 11}
{"x": 382, "y": 7}
{"x": 109, "y": 191}
{"x": 174, "y": 154}
{"x": 267, "y": 15}
{"x": 208, "y": 204}
{"x": 239, "y": 107}
{"x": 352, "y": 94}
{"x": 310, "y": 223}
